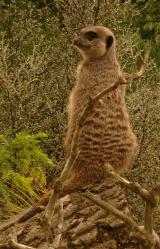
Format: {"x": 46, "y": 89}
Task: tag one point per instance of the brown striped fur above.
{"x": 106, "y": 135}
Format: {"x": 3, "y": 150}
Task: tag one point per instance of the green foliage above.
{"x": 23, "y": 165}
{"x": 147, "y": 19}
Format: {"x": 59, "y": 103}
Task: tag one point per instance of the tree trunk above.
{"x": 85, "y": 224}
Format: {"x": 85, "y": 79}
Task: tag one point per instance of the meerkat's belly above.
{"x": 106, "y": 136}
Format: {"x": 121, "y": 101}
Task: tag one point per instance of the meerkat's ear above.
{"x": 109, "y": 41}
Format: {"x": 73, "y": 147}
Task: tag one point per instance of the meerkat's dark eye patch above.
{"x": 90, "y": 35}
{"x": 109, "y": 41}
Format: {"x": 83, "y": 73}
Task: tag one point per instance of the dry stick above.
{"x": 128, "y": 220}
{"x": 57, "y": 241}
{"x": 151, "y": 198}
{"x": 96, "y": 13}
{"x": 59, "y": 184}
{"x": 79, "y": 13}
{"x": 141, "y": 70}
{"x": 133, "y": 186}
{"x": 151, "y": 204}
{"x": 143, "y": 131}
{"x": 49, "y": 212}
{"x": 12, "y": 243}
{"x": 148, "y": 218}
{"x": 109, "y": 207}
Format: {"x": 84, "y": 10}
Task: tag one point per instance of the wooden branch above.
{"x": 79, "y": 13}
{"x": 133, "y": 186}
{"x": 57, "y": 241}
{"x": 38, "y": 75}
{"x": 148, "y": 218}
{"x": 132, "y": 77}
{"x": 16, "y": 245}
{"x": 96, "y": 12}
{"x": 12, "y": 244}
{"x": 59, "y": 183}
{"x": 109, "y": 207}
{"x": 141, "y": 142}
{"x": 151, "y": 199}
{"x": 141, "y": 233}
{"x": 22, "y": 217}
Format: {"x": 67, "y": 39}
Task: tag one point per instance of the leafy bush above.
{"x": 147, "y": 20}
{"x": 22, "y": 170}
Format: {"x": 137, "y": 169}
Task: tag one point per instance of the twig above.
{"x": 140, "y": 72}
{"x": 143, "y": 136}
{"x": 149, "y": 196}
{"x": 148, "y": 218}
{"x": 79, "y": 13}
{"x": 59, "y": 183}
{"x": 96, "y": 12}
{"x": 58, "y": 238}
{"x": 16, "y": 245}
{"x": 22, "y": 217}
{"x": 12, "y": 244}
{"x": 128, "y": 220}
{"x": 38, "y": 75}
{"x": 133, "y": 186}
{"x": 108, "y": 207}
{"x": 151, "y": 199}
{"x": 93, "y": 101}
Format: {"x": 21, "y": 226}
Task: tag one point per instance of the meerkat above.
{"x": 106, "y": 135}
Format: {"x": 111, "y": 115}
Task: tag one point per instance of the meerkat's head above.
{"x": 94, "y": 41}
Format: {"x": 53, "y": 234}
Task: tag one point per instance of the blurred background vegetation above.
{"x": 37, "y": 72}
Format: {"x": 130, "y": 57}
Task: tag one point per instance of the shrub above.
{"x": 22, "y": 171}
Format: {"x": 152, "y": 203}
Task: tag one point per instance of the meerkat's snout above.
{"x": 80, "y": 43}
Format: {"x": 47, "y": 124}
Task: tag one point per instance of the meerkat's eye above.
{"x": 109, "y": 41}
{"x": 90, "y": 35}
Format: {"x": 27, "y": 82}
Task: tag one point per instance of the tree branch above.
{"x": 79, "y": 13}
{"x": 109, "y": 207}
{"x": 140, "y": 72}
{"x": 148, "y": 196}
{"x": 12, "y": 243}
{"x": 96, "y": 12}
{"x": 142, "y": 233}
{"x": 57, "y": 241}
{"x": 151, "y": 199}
